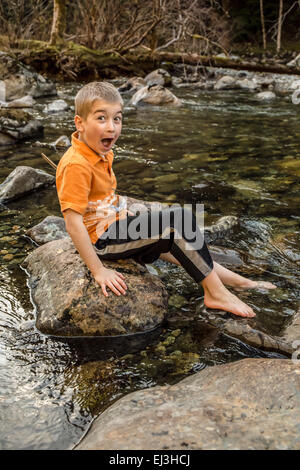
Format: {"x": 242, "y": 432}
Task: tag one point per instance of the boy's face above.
{"x": 102, "y": 127}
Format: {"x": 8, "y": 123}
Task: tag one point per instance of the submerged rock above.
{"x": 51, "y": 228}
{"x": 155, "y": 95}
{"x": 248, "y": 404}
{"x": 246, "y": 330}
{"x": 17, "y": 125}
{"x": 22, "y": 180}
{"x": 70, "y": 303}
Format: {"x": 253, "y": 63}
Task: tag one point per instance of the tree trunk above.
{"x": 59, "y": 21}
{"x": 279, "y": 25}
{"x": 262, "y": 19}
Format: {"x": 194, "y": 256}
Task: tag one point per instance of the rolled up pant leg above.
{"x": 145, "y": 236}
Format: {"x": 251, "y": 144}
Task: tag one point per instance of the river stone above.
{"x": 295, "y": 62}
{"x": 292, "y": 333}
{"x": 56, "y": 106}
{"x": 155, "y": 95}
{"x": 17, "y": 125}
{"x": 249, "y": 404}
{"x": 246, "y": 84}
{"x": 51, "y": 228}
{"x": 22, "y": 180}
{"x": 19, "y": 80}
{"x": 159, "y": 77}
{"x": 222, "y": 228}
{"x": 226, "y": 256}
{"x": 132, "y": 85}
{"x": 24, "y": 102}
{"x": 62, "y": 142}
{"x": 265, "y": 96}
{"x": 70, "y": 303}
{"x": 225, "y": 83}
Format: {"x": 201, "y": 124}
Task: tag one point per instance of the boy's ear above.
{"x": 79, "y": 123}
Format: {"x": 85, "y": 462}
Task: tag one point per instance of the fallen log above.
{"x": 214, "y": 61}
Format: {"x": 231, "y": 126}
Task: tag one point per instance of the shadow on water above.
{"x": 101, "y": 348}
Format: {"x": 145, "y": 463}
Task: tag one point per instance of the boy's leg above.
{"x": 229, "y": 278}
{"x": 171, "y": 238}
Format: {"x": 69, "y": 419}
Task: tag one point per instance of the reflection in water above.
{"x": 224, "y": 149}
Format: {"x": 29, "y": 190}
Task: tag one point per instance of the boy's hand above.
{"x": 112, "y": 279}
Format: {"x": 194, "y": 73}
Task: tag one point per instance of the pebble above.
{"x": 160, "y": 349}
{"x": 168, "y": 341}
{"x": 176, "y": 333}
{"x": 176, "y": 353}
{"x": 8, "y": 257}
{"x": 6, "y": 239}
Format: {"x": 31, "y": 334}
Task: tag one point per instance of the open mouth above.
{"x": 107, "y": 143}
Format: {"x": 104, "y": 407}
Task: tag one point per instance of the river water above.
{"x": 224, "y": 149}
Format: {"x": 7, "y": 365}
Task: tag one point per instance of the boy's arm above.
{"x": 103, "y": 276}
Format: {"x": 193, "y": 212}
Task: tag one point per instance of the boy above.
{"x": 99, "y": 225}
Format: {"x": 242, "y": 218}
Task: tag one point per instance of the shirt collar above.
{"x": 86, "y": 151}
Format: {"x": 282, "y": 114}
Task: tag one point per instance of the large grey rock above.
{"x": 70, "y": 303}
{"x": 155, "y": 95}
{"x": 22, "y": 180}
{"x": 18, "y": 80}
{"x": 249, "y": 404}
{"x": 17, "y": 125}
{"x": 51, "y": 228}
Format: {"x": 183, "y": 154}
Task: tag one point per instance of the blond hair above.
{"x": 95, "y": 91}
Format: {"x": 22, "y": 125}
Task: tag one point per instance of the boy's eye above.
{"x": 118, "y": 118}
{"x": 101, "y": 118}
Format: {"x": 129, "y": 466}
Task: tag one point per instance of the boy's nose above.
{"x": 110, "y": 125}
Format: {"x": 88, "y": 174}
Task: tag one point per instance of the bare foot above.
{"x": 248, "y": 284}
{"x": 228, "y": 302}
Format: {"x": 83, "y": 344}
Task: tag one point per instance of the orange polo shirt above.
{"x": 86, "y": 184}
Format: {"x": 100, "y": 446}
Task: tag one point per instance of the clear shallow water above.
{"x": 236, "y": 155}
